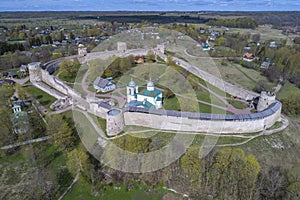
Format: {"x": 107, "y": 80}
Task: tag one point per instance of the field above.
{"x": 280, "y": 149}
{"x": 287, "y": 89}
{"x": 231, "y": 72}
{"x": 44, "y": 98}
{"x": 82, "y": 191}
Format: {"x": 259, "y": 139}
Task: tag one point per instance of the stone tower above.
{"x": 35, "y": 72}
{"x": 132, "y": 91}
{"x": 121, "y": 46}
{"x": 82, "y": 51}
{"x": 265, "y": 100}
{"x": 161, "y": 48}
{"x": 114, "y": 122}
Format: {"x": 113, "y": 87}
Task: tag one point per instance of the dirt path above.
{"x": 70, "y": 187}
{"x": 21, "y": 81}
{"x": 25, "y": 143}
{"x": 60, "y": 111}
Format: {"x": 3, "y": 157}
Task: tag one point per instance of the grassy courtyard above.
{"x": 44, "y": 98}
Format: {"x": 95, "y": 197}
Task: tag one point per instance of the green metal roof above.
{"x": 158, "y": 99}
{"x": 145, "y": 104}
{"x": 148, "y": 93}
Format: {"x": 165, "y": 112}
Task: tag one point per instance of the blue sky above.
{"x": 149, "y": 5}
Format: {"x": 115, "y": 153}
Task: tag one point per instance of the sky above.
{"x": 150, "y": 5}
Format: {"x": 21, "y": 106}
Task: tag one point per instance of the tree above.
{"x": 191, "y": 164}
{"x": 60, "y": 132}
{"x": 7, "y": 135}
{"x": 291, "y": 103}
{"x": 72, "y": 36}
{"x": 37, "y": 125}
{"x": 256, "y": 37}
{"x": 170, "y": 61}
{"x": 69, "y": 67}
{"x": 293, "y": 191}
{"x": 273, "y": 183}
{"x": 261, "y": 86}
{"x": 233, "y": 174}
{"x": 221, "y": 41}
{"x": 151, "y": 56}
{"x": 77, "y": 161}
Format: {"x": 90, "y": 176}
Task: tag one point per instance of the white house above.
{"x": 103, "y": 85}
{"x": 149, "y": 97}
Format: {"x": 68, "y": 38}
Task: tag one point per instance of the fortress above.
{"x": 269, "y": 109}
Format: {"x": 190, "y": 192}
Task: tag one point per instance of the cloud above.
{"x": 139, "y": 5}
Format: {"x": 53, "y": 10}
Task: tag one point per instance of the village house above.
{"x": 23, "y": 68}
{"x": 273, "y": 44}
{"x": 139, "y": 59}
{"x": 6, "y": 82}
{"x": 249, "y": 57}
{"x": 267, "y": 63}
{"x": 12, "y": 75}
{"x": 103, "y": 85}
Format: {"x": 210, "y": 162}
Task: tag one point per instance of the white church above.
{"x": 149, "y": 97}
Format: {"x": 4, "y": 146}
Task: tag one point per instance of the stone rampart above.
{"x": 161, "y": 119}
{"x": 201, "y": 122}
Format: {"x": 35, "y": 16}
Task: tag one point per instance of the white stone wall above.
{"x": 164, "y": 122}
{"x": 37, "y": 76}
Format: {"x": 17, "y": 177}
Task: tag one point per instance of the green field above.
{"x": 44, "y": 98}
{"x": 280, "y": 148}
{"x": 82, "y": 191}
{"x": 287, "y": 89}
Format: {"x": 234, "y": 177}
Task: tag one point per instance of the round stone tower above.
{"x": 114, "y": 122}
{"x": 35, "y": 71}
{"x": 265, "y": 100}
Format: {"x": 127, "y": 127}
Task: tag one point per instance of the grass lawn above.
{"x": 44, "y": 98}
{"x": 287, "y": 89}
{"x": 279, "y": 149}
{"x": 232, "y": 73}
{"x": 101, "y": 122}
{"x": 266, "y": 32}
{"x": 63, "y": 76}
{"x": 82, "y": 191}
{"x": 215, "y": 140}
{"x": 86, "y": 131}
{"x": 171, "y": 104}
{"x": 237, "y": 104}
{"x": 83, "y": 69}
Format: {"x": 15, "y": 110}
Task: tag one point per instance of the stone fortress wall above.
{"x": 270, "y": 109}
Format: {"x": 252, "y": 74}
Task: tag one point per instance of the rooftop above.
{"x": 148, "y": 93}
{"x": 101, "y": 82}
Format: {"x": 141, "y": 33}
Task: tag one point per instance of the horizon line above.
{"x": 149, "y": 11}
